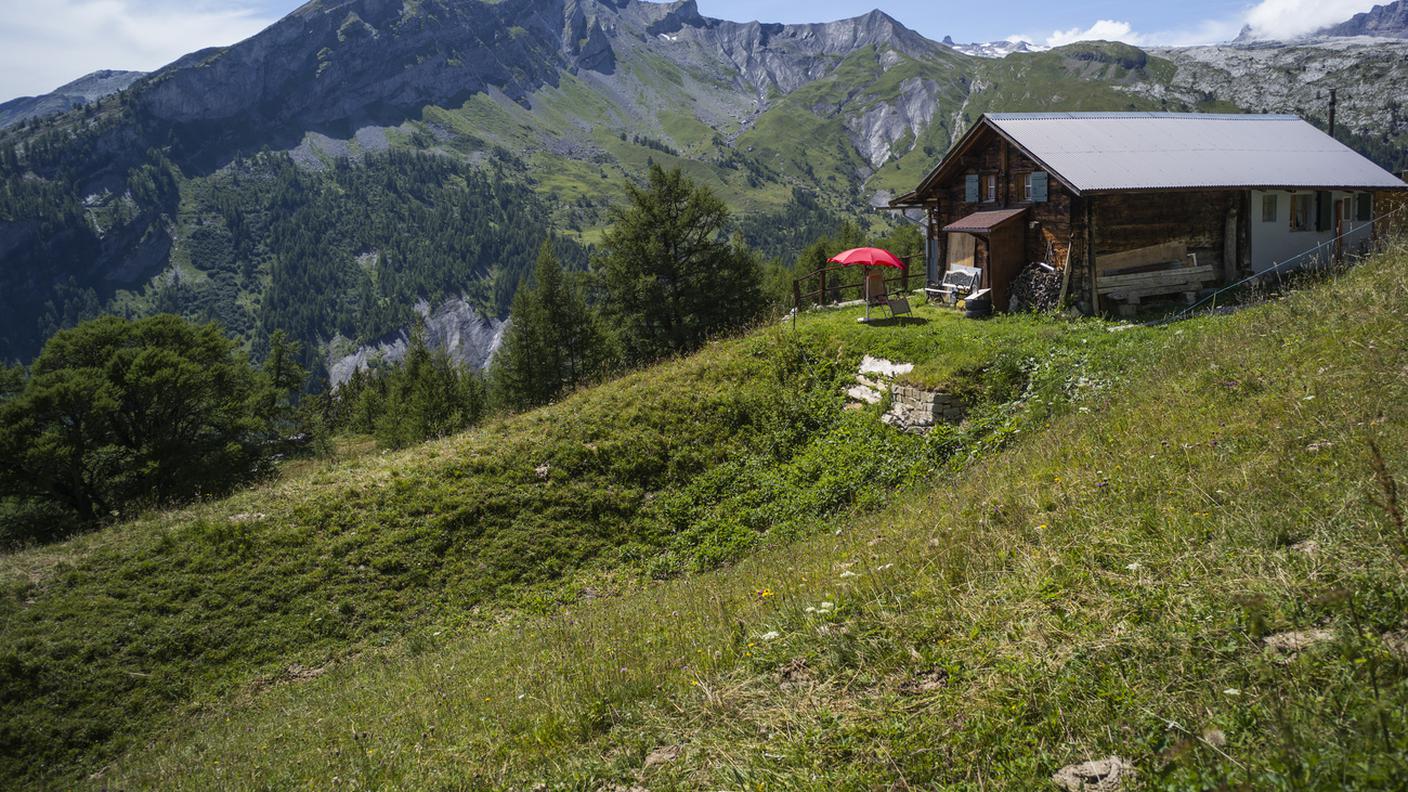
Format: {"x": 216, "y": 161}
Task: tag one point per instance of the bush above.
{"x": 117, "y": 413}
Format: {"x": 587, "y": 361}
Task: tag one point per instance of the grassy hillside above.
{"x": 1103, "y": 586}
{"x": 113, "y": 637}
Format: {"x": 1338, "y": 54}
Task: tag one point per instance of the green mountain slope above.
{"x": 1087, "y": 567}
{"x": 675, "y": 469}
{"x": 105, "y": 208}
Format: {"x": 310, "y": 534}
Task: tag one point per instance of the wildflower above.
{"x": 1042, "y": 527}
{"x": 848, "y": 574}
{"x": 771, "y": 636}
{"x": 1232, "y": 692}
{"x": 764, "y": 593}
{"x": 826, "y": 606}
{"x": 1133, "y": 567}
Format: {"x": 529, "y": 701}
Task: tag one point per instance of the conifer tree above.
{"x": 672, "y": 278}
{"x": 554, "y": 342}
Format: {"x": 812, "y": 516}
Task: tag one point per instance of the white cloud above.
{"x": 46, "y": 44}
{"x": 1103, "y": 30}
{"x": 1281, "y": 19}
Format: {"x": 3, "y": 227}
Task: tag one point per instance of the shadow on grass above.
{"x": 897, "y": 321}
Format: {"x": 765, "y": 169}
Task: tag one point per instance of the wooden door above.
{"x": 1339, "y": 230}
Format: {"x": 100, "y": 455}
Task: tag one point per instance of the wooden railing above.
{"x": 822, "y": 291}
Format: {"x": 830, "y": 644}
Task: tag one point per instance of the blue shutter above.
{"x": 1039, "y": 187}
{"x": 971, "y": 196}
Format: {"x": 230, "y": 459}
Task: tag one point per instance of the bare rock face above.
{"x": 1277, "y": 78}
{"x": 84, "y": 90}
{"x": 1382, "y": 21}
{"x": 876, "y": 131}
{"x": 454, "y": 327}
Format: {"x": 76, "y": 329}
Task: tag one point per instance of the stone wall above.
{"x": 917, "y": 411}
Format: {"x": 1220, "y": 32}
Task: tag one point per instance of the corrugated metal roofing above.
{"x": 1095, "y": 152}
{"x": 983, "y": 222}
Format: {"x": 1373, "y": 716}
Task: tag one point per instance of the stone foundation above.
{"x": 918, "y": 411}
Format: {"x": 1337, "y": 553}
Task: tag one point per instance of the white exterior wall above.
{"x": 1275, "y": 242}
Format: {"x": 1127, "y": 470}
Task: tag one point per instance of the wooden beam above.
{"x": 1167, "y": 252}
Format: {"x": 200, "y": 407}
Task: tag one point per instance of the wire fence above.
{"x": 1315, "y": 256}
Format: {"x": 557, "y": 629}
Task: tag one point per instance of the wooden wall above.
{"x": 1071, "y": 231}
{"x": 992, "y": 154}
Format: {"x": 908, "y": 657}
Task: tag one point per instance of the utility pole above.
{"x": 1334, "y": 100}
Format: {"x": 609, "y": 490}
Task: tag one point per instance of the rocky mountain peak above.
{"x": 85, "y": 90}
{"x": 1382, "y": 21}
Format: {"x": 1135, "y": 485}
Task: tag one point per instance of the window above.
{"x": 1303, "y": 212}
{"x": 1270, "y": 207}
{"x": 1364, "y": 211}
{"x": 1027, "y": 188}
{"x": 1040, "y": 187}
{"x": 990, "y": 187}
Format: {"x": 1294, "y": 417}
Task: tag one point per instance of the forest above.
{"x": 120, "y": 412}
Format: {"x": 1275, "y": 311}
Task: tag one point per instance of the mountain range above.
{"x": 361, "y": 157}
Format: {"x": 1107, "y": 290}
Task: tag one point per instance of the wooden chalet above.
{"x": 1134, "y": 206}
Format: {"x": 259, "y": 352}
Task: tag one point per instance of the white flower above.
{"x": 1232, "y": 692}
{"x": 771, "y": 636}
{"x": 848, "y": 574}
{"x": 826, "y": 606}
{"x": 1133, "y": 567}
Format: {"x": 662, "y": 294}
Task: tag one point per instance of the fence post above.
{"x": 797, "y": 294}
{"x": 821, "y": 298}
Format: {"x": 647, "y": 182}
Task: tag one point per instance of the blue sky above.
{"x": 45, "y": 43}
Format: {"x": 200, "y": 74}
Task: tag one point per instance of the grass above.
{"x": 117, "y": 636}
{"x": 1100, "y": 587}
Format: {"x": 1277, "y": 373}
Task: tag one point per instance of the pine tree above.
{"x": 284, "y": 378}
{"x": 672, "y": 279}
{"x": 554, "y": 342}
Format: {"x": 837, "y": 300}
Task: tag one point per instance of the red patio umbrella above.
{"x": 867, "y": 257}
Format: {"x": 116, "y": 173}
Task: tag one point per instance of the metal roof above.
{"x": 983, "y": 222}
{"x": 1100, "y": 152}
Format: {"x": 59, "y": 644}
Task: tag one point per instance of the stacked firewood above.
{"x": 1036, "y": 288}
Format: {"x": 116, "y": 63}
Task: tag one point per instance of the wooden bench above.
{"x": 958, "y": 282}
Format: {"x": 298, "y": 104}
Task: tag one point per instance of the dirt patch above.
{"x": 302, "y": 673}
{"x": 925, "y": 681}
{"x": 1110, "y": 774}
{"x": 794, "y": 674}
{"x": 1292, "y": 643}
{"x": 1397, "y": 643}
{"x": 247, "y": 517}
{"x": 661, "y": 756}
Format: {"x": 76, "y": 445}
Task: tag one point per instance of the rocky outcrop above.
{"x": 1382, "y": 21}
{"x": 84, "y": 90}
{"x": 992, "y": 49}
{"x": 1273, "y": 78}
{"x": 455, "y": 327}
{"x": 876, "y": 130}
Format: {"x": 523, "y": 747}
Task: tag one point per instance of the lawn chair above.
{"x": 877, "y": 296}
